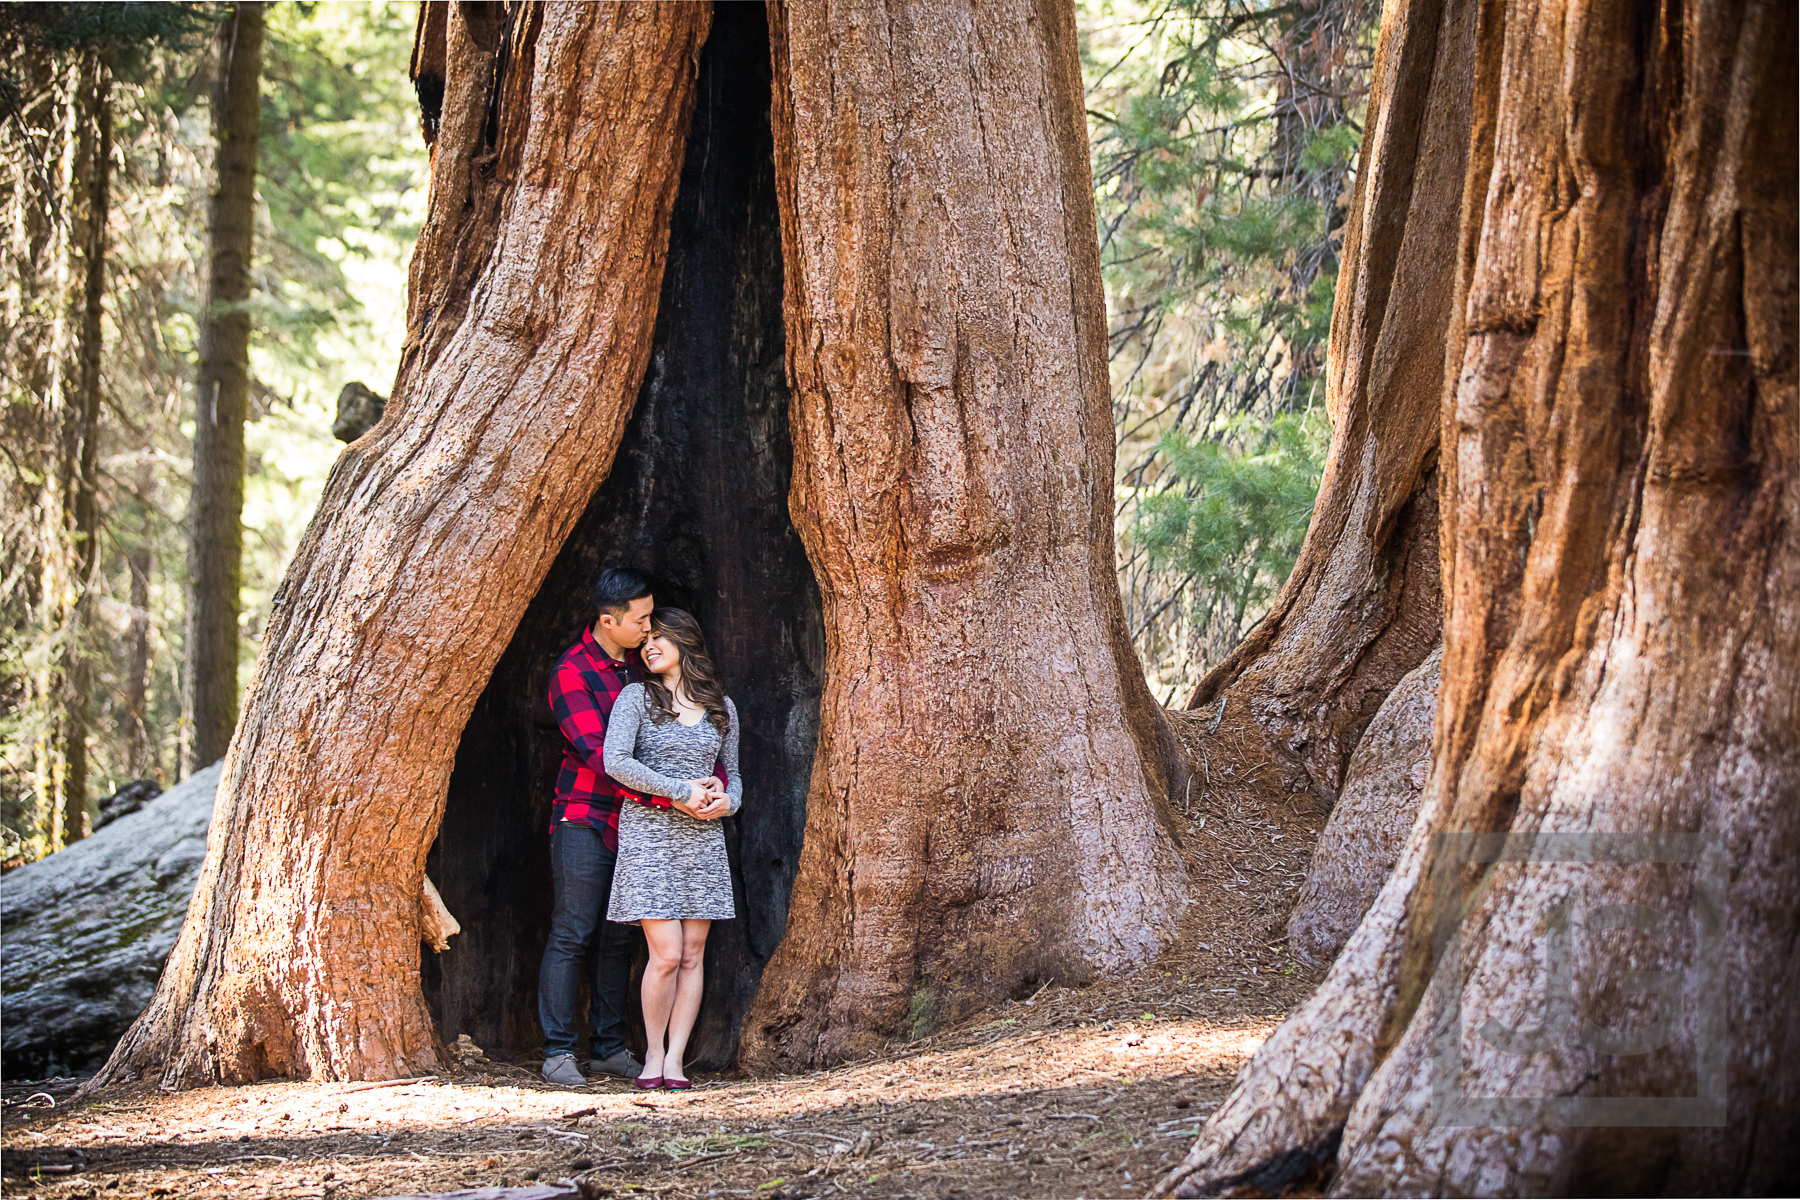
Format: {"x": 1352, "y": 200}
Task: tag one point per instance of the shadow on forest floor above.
{"x": 1077, "y": 1092}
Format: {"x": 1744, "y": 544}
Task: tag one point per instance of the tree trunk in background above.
{"x": 1362, "y": 606}
{"x": 140, "y": 562}
{"x": 988, "y": 800}
{"x": 35, "y": 340}
{"x": 533, "y": 293}
{"x": 1621, "y": 533}
{"x": 222, "y": 391}
{"x": 81, "y": 430}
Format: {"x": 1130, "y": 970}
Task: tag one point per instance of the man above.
{"x": 584, "y": 837}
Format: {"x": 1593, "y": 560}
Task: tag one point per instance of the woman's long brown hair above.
{"x": 700, "y": 680}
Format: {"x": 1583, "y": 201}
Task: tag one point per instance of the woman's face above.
{"x": 661, "y": 655}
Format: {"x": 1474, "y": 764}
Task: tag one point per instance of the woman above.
{"x": 662, "y": 739}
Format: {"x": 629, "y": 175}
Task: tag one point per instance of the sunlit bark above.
{"x": 1621, "y": 534}
{"x": 987, "y": 803}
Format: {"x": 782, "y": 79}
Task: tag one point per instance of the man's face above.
{"x": 630, "y": 630}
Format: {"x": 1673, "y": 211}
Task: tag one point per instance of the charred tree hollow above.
{"x": 698, "y": 497}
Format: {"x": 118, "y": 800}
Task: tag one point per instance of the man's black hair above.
{"x": 616, "y": 588}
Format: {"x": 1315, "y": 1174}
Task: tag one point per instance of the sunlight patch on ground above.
{"x": 1004, "y": 1105}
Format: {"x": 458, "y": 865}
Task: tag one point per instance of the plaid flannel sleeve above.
{"x": 646, "y": 801}
{"x": 579, "y": 716}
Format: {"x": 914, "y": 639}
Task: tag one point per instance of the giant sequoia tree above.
{"x": 984, "y": 809}
{"x": 1620, "y": 534}
{"x": 1361, "y": 607}
{"x": 985, "y": 805}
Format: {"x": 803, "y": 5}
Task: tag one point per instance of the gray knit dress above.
{"x": 670, "y": 865}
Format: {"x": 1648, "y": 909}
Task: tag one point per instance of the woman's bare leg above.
{"x": 661, "y": 974}
{"x": 690, "y": 981}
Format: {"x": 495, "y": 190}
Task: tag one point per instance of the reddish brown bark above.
{"x": 533, "y": 295}
{"x": 986, "y": 802}
{"x": 1362, "y": 606}
{"x": 1621, "y": 532}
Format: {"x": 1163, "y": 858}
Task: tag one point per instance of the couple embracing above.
{"x": 649, "y": 766}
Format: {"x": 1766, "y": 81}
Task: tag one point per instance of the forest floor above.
{"x": 1075, "y": 1092}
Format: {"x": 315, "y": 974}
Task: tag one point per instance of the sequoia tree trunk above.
{"x": 1364, "y": 597}
{"x": 1621, "y": 551}
{"x": 986, "y": 807}
{"x": 222, "y": 392}
{"x": 988, "y": 801}
{"x": 1362, "y": 607}
{"x": 533, "y": 293}
{"x": 698, "y": 497}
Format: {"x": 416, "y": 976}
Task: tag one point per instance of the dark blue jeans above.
{"x": 581, "y": 867}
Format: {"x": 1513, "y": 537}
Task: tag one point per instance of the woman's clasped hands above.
{"x": 706, "y": 800}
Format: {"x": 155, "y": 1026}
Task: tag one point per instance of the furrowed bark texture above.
{"x": 986, "y": 802}
{"x": 222, "y": 392}
{"x": 533, "y": 295}
{"x": 1621, "y": 532}
{"x": 1367, "y": 830}
{"x": 1362, "y": 606}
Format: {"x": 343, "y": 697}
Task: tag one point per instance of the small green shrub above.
{"x": 1236, "y": 515}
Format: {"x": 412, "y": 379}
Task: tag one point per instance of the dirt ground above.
{"x": 1073, "y": 1093}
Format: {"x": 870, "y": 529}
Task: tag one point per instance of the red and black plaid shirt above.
{"x": 583, "y": 686}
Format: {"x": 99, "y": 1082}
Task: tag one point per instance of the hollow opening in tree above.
{"x": 698, "y": 498}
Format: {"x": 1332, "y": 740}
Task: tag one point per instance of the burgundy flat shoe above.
{"x": 676, "y": 1085}
{"x": 648, "y": 1083}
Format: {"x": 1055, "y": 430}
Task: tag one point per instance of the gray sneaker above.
{"x": 624, "y": 1064}
{"x": 561, "y": 1069}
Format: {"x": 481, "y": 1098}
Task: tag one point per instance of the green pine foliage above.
{"x": 339, "y": 171}
{"x": 1225, "y": 136}
{"x": 1234, "y": 522}
{"x": 342, "y": 177}
{"x": 129, "y": 32}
